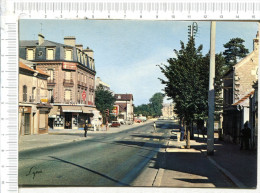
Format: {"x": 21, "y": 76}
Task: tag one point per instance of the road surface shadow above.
{"x": 90, "y": 170}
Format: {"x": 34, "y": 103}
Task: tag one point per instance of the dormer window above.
{"x": 68, "y": 54}
{"x": 30, "y": 53}
{"x": 50, "y": 54}
{"x": 119, "y": 97}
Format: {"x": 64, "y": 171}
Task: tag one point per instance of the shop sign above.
{"x": 69, "y": 66}
{"x": 44, "y": 100}
{"x": 115, "y": 110}
{"x": 84, "y": 95}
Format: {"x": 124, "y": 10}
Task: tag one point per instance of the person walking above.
{"x": 154, "y": 127}
{"x": 86, "y": 129}
{"x": 245, "y": 136}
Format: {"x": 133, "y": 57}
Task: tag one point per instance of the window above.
{"x": 67, "y": 95}
{"x": 50, "y": 96}
{"x": 67, "y": 75}
{"x": 68, "y": 54}
{"x": 33, "y": 93}
{"x": 30, "y": 54}
{"x": 51, "y": 73}
{"x": 24, "y": 93}
{"x": 50, "y": 54}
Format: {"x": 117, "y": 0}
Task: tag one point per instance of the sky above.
{"x": 127, "y": 52}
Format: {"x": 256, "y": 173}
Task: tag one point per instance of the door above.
{"x": 27, "y": 124}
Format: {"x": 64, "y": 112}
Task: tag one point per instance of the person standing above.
{"x": 154, "y": 127}
{"x": 86, "y": 128}
{"x": 245, "y": 136}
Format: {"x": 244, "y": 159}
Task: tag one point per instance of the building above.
{"x": 237, "y": 92}
{"x": 33, "y": 109}
{"x": 167, "y": 110}
{"x": 100, "y": 82}
{"x": 126, "y": 107}
{"x": 253, "y": 116}
{"x": 71, "y": 82}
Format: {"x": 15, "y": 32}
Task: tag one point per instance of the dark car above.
{"x": 115, "y": 124}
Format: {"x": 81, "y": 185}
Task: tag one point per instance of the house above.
{"x": 253, "y": 116}
{"x": 237, "y": 92}
{"x": 126, "y": 107}
{"x": 33, "y": 106}
{"x": 71, "y": 82}
{"x": 167, "y": 110}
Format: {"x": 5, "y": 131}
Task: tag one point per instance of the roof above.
{"x": 34, "y": 43}
{"x": 122, "y": 107}
{"x": 244, "y": 98}
{"x": 24, "y": 64}
{"x": 124, "y": 97}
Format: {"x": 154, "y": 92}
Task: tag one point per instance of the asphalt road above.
{"x": 106, "y": 160}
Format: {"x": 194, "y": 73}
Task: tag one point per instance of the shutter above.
{"x": 67, "y": 94}
{"x": 42, "y": 121}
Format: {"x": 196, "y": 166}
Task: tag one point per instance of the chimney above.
{"x": 79, "y": 46}
{"x": 256, "y": 41}
{"x": 89, "y": 52}
{"x": 40, "y": 39}
{"x": 70, "y": 40}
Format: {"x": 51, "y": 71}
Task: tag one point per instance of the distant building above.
{"x": 100, "y": 82}
{"x": 126, "y": 107}
{"x": 237, "y": 92}
{"x": 71, "y": 82}
{"x": 167, "y": 110}
{"x": 33, "y": 106}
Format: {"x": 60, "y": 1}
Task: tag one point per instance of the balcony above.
{"x": 68, "y": 83}
{"x": 51, "y": 82}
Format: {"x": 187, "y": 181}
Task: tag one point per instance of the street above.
{"x": 105, "y": 160}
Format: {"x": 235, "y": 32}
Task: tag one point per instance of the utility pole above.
{"x": 211, "y": 93}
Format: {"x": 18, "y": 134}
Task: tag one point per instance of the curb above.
{"x": 233, "y": 179}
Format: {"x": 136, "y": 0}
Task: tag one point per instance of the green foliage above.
{"x": 185, "y": 81}
{"x": 104, "y": 99}
{"x": 154, "y": 108}
{"x": 235, "y": 50}
{"x": 156, "y": 104}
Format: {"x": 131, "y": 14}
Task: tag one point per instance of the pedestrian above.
{"x": 86, "y": 128}
{"x": 182, "y": 130}
{"x": 245, "y": 136}
{"x": 154, "y": 127}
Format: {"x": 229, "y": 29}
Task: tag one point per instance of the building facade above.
{"x": 33, "y": 106}
{"x": 237, "y": 91}
{"x": 167, "y": 110}
{"x": 71, "y": 82}
{"x": 126, "y": 107}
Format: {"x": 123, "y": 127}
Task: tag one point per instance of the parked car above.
{"x": 115, "y": 124}
{"x": 121, "y": 121}
{"x": 138, "y": 121}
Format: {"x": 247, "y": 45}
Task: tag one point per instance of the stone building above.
{"x": 237, "y": 90}
{"x": 33, "y": 106}
{"x": 100, "y": 82}
{"x": 167, "y": 110}
{"x": 126, "y": 107}
{"x": 71, "y": 82}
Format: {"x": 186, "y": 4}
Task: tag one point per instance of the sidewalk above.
{"x": 62, "y": 136}
{"x": 227, "y": 168}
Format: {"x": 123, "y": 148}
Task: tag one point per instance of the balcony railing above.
{"x": 68, "y": 83}
{"x": 51, "y": 82}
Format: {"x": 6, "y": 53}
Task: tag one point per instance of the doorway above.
{"x": 27, "y": 124}
{"x": 68, "y": 118}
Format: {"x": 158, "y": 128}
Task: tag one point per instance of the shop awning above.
{"x": 88, "y": 110}
{"x": 53, "y": 111}
{"x": 71, "y": 109}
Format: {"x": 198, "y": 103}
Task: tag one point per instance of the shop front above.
{"x": 70, "y": 116}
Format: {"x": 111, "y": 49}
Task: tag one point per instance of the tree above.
{"x": 185, "y": 83}
{"x": 104, "y": 99}
{"x": 156, "y": 104}
{"x": 235, "y": 50}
